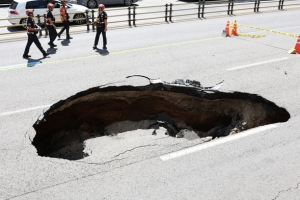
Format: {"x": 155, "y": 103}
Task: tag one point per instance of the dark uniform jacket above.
{"x": 102, "y": 17}
{"x": 49, "y": 15}
{"x": 31, "y": 23}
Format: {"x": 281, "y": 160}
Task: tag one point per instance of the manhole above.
{"x": 94, "y": 112}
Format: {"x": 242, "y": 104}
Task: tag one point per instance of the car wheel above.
{"x": 79, "y": 16}
{"x": 92, "y": 4}
{"x": 128, "y": 2}
{"x": 24, "y": 23}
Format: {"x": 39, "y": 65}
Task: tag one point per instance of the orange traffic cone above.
{"x": 227, "y": 29}
{"x": 297, "y": 46}
{"x": 234, "y": 30}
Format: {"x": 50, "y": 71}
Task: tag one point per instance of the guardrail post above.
{"x": 134, "y": 15}
{"x": 166, "y": 13}
{"x": 228, "y": 7}
{"x": 129, "y": 16}
{"x": 199, "y": 8}
{"x": 93, "y": 20}
{"x": 46, "y": 29}
{"x": 87, "y": 20}
{"x": 170, "y": 13}
{"x": 257, "y": 8}
{"x": 39, "y": 23}
{"x": 281, "y": 8}
{"x": 203, "y": 4}
{"x": 280, "y": 5}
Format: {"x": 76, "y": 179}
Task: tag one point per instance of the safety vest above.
{"x": 63, "y": 14}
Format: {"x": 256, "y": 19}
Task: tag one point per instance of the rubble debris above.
{"x": 182, "y": 83}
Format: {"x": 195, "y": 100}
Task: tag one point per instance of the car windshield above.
{"x": 35, "y": 4}
{"x": 13, "y": 5}
{"x": 59, "y": 2}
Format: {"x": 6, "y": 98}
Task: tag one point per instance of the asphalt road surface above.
{"x": 262, "y": 164}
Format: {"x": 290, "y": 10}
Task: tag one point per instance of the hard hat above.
{"x": 101, "y": 6}
{"x": 50, "y": 5}
{"x": 29, "y": 11}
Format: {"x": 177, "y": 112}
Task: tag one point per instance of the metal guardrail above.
{"x": 168, "y": 12}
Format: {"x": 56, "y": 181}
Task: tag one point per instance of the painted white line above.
{"x": 23, "y": 110}
{"x": 28, "y": 64}
{"x": 259, "y": 63}
{"x": 216, "y": 142}
{"x": 12, "y": 66}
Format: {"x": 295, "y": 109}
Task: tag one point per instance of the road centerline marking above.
{"x": 216, "y": 142}
{"x": 255, "y": 64}
{"x": 24, "y": 65}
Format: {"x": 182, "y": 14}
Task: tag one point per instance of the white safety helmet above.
{"x": 50, "y": 5}
{"x": 29, "y": 11}
{"x": 101, "y": 7}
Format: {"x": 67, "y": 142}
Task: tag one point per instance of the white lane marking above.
{"x": 27, "y": 64}
{"x": 216, "y": 142}
{"x": 23, "y": 110}
{"x": 259, "y": 63}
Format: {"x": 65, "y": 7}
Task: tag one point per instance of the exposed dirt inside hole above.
{"x": 111, "y": 110}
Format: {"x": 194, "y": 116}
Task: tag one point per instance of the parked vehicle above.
{"x": 5, "y": 1}
{"x": 17, "y": 11}
{"x": 94, "y": 3}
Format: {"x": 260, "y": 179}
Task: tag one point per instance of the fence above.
{"x": 136, "y": 15}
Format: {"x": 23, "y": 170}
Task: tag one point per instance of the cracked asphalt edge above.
{"x": 289, "y": 189}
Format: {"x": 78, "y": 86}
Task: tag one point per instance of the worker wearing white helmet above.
{"x": 101, "y": 23}
{"x": 50, "y": 22}
{"x": 32, "y": 30}
{"x": 64, "y": 16}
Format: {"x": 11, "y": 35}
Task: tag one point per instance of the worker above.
{"x": 101, "y": 23}
{"x": 50, "y": 22}
{"x": 32, "y": 30}
{"x": 65, "y": 20}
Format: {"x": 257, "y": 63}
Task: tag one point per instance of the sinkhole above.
{"x": 67, "y": 124}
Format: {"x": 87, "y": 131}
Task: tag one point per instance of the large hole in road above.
{"x": 92, "y": 113}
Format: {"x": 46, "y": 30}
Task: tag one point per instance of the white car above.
{"x": 94, "y": 3}
{"x": 17, "y": 11}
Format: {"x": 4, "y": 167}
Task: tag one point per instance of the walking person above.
{"x": 50, "y": 22}
{"x": 65, "y": 19}
{"x": 32, "y": 29}
{"x": 101, "y": 23}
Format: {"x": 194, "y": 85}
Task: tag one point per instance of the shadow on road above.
{"x": 52, "y": 50}
{"x": 33, "y": 62}
{"x": 102, "y": 52}
{"x": 65, "y": 42}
